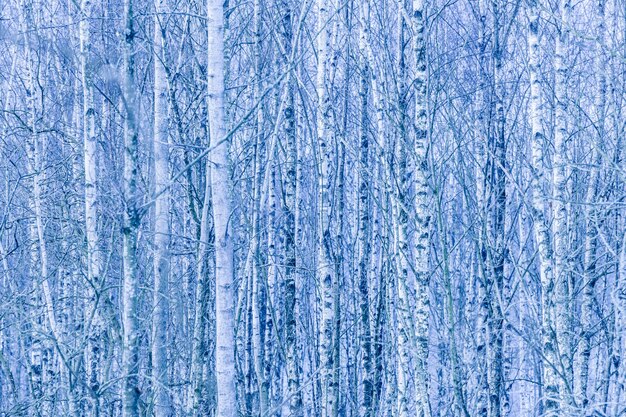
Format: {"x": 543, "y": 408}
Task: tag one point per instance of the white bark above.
{"x": 325, "y": 267}
{"x": 364, "y": 242}
{"x": 259, "y": 290}
{"x": 496, "y": 226}
{"x": 200, "y": 396}
{"x": 421, "y": 244}
{"x": 560, "y": 169}
{"x": 130, "y": 290}
{"x": 221, "y": 189}
{"x": 93, "y": 357}
{"x": 619, "y": 300}
{"x": 161, "y": 258}
{"x": 540, "y": 225}
{"x": 402, "y": 175}
{"x": 292, "y": 190}
{"x": 484, "y": 277}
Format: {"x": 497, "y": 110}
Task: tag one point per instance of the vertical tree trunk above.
{"x": 364, "y": 233}
{"x": 161, "y": 257}
{"x": 130, "y": 356}
{"x": 402, "y": 175}
{"x": 257, "y": 268}
{"x": 221, "y": 189}
{"x": 325, "y": 267}
{"x": 292, "y": 189}
{"x": 561, "y": 232}
{"x": 496, "y": 226}
{"x": 459, "y": 397}
{"x": 381, "y": 318}
{"x": 540, "y": 226}
{"x": 421, "y": 244}
{"x": 202, "y": 398}
{"x": 484, "y": 279}
{"x": 619, "y": 300}
{"x": 95, "y": 349}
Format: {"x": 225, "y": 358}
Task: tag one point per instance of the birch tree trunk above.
{"x": 619, "y": 299}
{"x": 130, "y": 290}
{"x": 561, "y": 230}
{"x": 325, "y": 267}
{"x": 381, "y": 318}
{"x": 90, "y": 148}
{"x": 202, "y": 397}
{"x": 540, "y": 226}
{"x": 484, "y": 278}
{"x": 402, "y": 175}
{"x": 259, "y": 288}
{"x": 421, "y": 245}
{"x": 497, "y": 164}
{"x": 221, "y": 189}
{"x": 161, "y": 258}
{"x": 364, "y": 242}
{"x": 292, "y": 190}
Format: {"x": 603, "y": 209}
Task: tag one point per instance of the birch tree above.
{"x": 364, "y": 246}
{"x": 421, "y": 246}
{"x": 221, "y": 205}
{"x": 538, "y": 209}
{"x": 292, "y": 194}
{"x": 130, "y": 289}
{"x": 161, "y": 218}
{"x": 90, "y": 151}
{"x": 325, "y": 267}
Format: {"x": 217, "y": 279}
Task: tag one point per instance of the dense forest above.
{"x": 313, "y": 208}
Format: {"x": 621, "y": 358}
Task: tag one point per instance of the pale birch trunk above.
{"x": 202, "y": 390}
{"x": 273, "y": 302}
{"x": 380, "y": 176}
{"x": 161, "y": 257}
{"x": 202, "y": 398}
{"x": 130, "y": 290}
{"x": 325, "y": 268}
{"x": 421, "y": 243}
{"x": 496, "y": 226}
{"x": 619, "y": 300}
{"x": 93, "y": 357}
{"x": 221, "y": 189}
{"x": 292, "y": 190}
{"x": 560, "y": 228}
{"x": 378, "y": 330}
{"x": 381, "y": 319}
{"x": 364, "y": 233}
{"x": 484, "y": 277}
{"x": 259, "y": 290}
{"x": 550, "y": 400}
{"x": 339, "y": 274}
{"x": 402, "y": 175}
